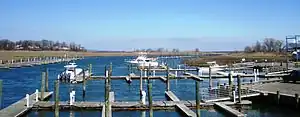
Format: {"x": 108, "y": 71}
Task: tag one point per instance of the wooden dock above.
{"x": 229, "y": 110}
{"x": 193, "y": 76}
{"x": 184, "y": 109}
{"x": 30, "y": 63}
{"x": 19, "y": 108}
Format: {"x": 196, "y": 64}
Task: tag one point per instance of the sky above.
{"x": 209, "y": 25}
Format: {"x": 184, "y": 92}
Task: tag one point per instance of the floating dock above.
{"x": 20, "y": 107}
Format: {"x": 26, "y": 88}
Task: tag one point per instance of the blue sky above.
{"x": 128, "y": 24}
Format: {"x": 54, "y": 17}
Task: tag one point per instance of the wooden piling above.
{"x": 150, "y": 99}
{"x": 239, "y": 88}
{"x": 197, "y": 98}
{"x": 109, "y": 77}
{"x": 210, "y": 78}
{"x": 168, "y": 79}
{"x": 83, "y": 85}
{"x": 46, "y": 80}
{"x": 230, "y": 83}
{"x": 106, "y": 97}
{"x": 43, "y": 85}
{"x": 56, "y": 98}
{"x": 141, "y": 84}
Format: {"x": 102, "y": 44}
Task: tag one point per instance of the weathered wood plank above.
{"x": 229, "y": 110}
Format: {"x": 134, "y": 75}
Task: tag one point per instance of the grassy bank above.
{"x": 9, "y": 55}
{"x": 237, "y": 57}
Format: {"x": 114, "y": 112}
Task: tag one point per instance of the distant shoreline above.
{"x": 9, "y": 55}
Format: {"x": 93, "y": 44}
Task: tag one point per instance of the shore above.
{"x": 9, "y": 55}
{"x": 236, "y": 58}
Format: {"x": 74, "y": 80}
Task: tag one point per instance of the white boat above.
{"x": 143, "y": 61}
{"x": 214, "y": 68}
{"x": 70, "y": 73}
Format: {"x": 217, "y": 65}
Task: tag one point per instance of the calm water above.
{"x": 18, "y": 82}
{"x": 159, "y": 113}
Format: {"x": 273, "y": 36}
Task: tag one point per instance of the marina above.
{"x": 161, "y": 93}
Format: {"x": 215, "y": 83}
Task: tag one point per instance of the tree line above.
{"x": 267, "y": 45}
{"x": 6, "y": 44}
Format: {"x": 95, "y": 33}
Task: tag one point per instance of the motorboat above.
{"x": 214, "y": 67}
{"x": 70, "y": 73}
{"x": 143, "y": 61}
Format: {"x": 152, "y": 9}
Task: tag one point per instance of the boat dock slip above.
{"x": 20, "y": 107}
{"x": 187, "y": 75}
{"x": 194, "y": 76}
{"x": 188, "y": 112}
{"x": 229, "y": 110}
{"x": 288, "y": 89}
{"x": 123, "y": 105}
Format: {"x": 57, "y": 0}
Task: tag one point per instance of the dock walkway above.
{"x": 19, "y": 108}
{"x": 181, "y": 107}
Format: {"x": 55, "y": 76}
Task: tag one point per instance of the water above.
{"x": 18, "y": 82}
{"x": 156, "y": 113}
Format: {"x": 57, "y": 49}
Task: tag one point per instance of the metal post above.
{"x": 168, "y": 79}
{"x": 43, "y": 85}
{"x": 56, "y": 98}
{"x": 46, "y": 79}
{"x": 239, "y": 88}
{"x": 197, "y": 99}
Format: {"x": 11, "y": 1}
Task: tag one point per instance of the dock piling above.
{"x": 168, "y": 79}
{"x": 141, "y": 85}
{"x": 210, "y": 78}
{"x": 83, "y": 85}
{"x": 230, "y": 78}
{"x": 150, "y": 99}
{"x": 56, "y": 98}
{"x": 43, "y": 85}
{"x": 46, "y": 80}
{"x": 239, "y": 88}
{"x": 197, "y": 99}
